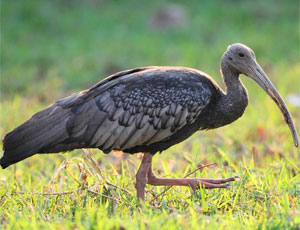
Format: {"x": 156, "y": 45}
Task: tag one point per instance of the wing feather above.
{"x": 106, "y": 131}
{"x": 98, "y": 131}
{"x": 137, "y": 110}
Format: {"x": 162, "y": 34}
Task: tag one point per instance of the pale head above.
{"x": 241, "y": 59}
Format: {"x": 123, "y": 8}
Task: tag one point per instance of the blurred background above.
{"x": 65, "y": 46}
{"x": 51, "y": 49}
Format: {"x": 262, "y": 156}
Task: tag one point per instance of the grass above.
{"x": 50, "y": 49}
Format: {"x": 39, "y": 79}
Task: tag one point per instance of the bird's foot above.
{"x": 145, "y": 176}
{"x": 194, "y": 183}
{"x": 210, "y": 183}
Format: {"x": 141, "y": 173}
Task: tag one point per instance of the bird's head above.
{"x": 241, "y": 59}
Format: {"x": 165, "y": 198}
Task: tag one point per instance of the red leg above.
{"x": 142, "y": 176}
{"x": 145, "y": 176}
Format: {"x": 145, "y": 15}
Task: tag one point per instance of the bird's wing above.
{"x": 138, "y": 108}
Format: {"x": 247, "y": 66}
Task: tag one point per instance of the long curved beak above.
{"x": 261, "y": 78}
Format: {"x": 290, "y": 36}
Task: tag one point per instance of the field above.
{"x": 50, "y": 49}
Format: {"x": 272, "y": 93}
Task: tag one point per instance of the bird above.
{"x": 148, "y": 110}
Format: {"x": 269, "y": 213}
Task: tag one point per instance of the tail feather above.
{"x": 45, "y": 128}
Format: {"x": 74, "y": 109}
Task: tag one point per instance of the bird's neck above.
{"x": 233, "y": 102}
{"x": 235, "y": 90}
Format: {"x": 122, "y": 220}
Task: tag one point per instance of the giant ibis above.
{"x": 145, "y": 110}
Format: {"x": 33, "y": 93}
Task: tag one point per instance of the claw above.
{"x": 218, "y": 181}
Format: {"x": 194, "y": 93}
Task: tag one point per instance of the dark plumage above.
{"x": 141, "y": 110}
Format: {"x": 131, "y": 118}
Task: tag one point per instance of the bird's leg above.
{"x": 146, "y": 176}
{"x": 194, "y": 183}
{"x": 142, "y": 175}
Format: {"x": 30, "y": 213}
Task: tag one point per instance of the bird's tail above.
{"x": 43, "y": 130}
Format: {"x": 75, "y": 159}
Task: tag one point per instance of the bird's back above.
{"x": 143, "y": 109}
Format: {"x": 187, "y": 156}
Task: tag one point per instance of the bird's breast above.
{"x": 224, "y": 111}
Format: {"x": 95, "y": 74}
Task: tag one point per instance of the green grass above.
{"x": 50, "y": 49}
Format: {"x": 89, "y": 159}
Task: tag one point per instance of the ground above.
{"x": 51, "y": 49}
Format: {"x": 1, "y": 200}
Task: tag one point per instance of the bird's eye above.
{"x": 241, "y": 55}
